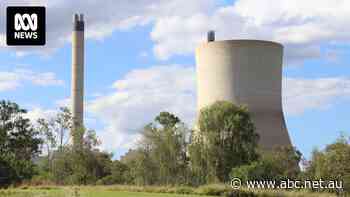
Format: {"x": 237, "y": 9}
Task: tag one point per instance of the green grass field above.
{"x": 134, "y": 191}
{"x": 131, "y": 194}
{"x": 81, "y": 193}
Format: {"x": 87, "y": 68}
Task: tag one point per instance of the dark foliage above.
{"x": 19, "y": 144}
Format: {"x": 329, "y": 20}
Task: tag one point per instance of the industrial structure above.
{"x": 77, "y": 94}
{"x": 245, "y": 72}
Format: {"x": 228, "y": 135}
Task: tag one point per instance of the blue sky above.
{"x": 140, "y": 61}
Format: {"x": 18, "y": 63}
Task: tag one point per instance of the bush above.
{"x": 107, "y": 180}
{"x": 213, "y": 190}
{"x": 183, "y": 190}
{"x": 42, "y": 179}
{"x": 332, "y": 163}
{"x": 242, "y": 193}
{"x": 260, "y": 170}
{"x": 280, "y": 163}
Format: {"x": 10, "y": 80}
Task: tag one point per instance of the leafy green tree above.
{"x": 198, "y": 162}
{"x": 166, "y": 141}
{"x": 81, "y": 163}
{"x": 131, "y": 160}
{"x": 161, "y": 156}
{"x": 286, "y": 160}
{"x": 61, "y": 125}
{"x": 332, "y": 163}
{"x": 277, "y": 164}
{"x": 226, "y": 138}
{"x": 89, "y": 165}
{"x": 118, "y": 174}
{"x": 143, "y": 170}
{"x": 49, "y": 140}
{"x": 72, "y": 156}
{"x": 103, "y": 164}
{"x": 54, "y": 132}
{"x": 62, "y": 168}
{"x": 167, "y": 120}
{"x": 19, "y": 144}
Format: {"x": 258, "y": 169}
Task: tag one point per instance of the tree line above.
{"x": 224, "y": 144}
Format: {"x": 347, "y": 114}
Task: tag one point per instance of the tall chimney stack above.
{"x": 211, "y": 36}
{"x": 77, "y": 94}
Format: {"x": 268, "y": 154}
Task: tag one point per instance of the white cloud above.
{"x": 37, "y": 112}
{"x": 300, "y": 94}
{"x": 301, "y": 26}
{"x": 63, "y": 102}
{"x": 10, "y": 80}
{"x": 179, "y": 35}
{"x": 102, "y": 18}
{"x": 139, "y": 97}
{"x": 143, "y": 93}
{"x": 264, "y": 12}
{"x": 176, "y": 29}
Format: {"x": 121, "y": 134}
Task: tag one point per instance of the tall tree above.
{"x": 226, "y": 138}
{"x": 161, "y": 157}
{"x": 80, "y": 163}
{"x": 19, "y": 143}
{"x": 61, "y": 124}
{"x": 49, "y": 139}
{"x": 332, "y": 163}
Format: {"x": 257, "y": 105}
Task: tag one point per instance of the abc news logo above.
{"x": 26, "y": 26}
{"x": 21, "y": 25}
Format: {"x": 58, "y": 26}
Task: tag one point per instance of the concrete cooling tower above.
{"x": 247, "y": 72}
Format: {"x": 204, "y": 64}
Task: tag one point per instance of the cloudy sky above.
{"x": 140, "y": 61}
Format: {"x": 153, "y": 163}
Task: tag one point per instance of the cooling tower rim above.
{"x": 242, "y": 42}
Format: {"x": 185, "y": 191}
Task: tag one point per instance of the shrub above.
{"x": 183, "y": 190}
{"x": 261, "y": 170}
{"x": 107, "y": 180}
{"x": 213, "y": 190}
{"x": 332, "y": 163}
{"x": 278, "y": 164}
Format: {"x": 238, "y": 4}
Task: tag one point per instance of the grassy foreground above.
{"x": 81, "y": 192}
{"x": 84, "y": 193}
{"x": 133, "y": 191}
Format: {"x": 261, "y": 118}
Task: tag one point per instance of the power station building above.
{"x": 245, "y": 72}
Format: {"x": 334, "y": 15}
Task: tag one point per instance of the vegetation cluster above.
{"x": 223, "y": 145}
